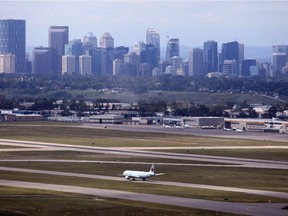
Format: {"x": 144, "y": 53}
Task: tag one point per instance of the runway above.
{"x": 194, "y": 131}
{"x": 237, "y": 208}
{"x": 175, "y": 184}
{"x": 253, "y": 209}
{"x": 248, "y": 163}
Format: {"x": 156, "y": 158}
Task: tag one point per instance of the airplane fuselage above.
{"x": 137, "y": 174}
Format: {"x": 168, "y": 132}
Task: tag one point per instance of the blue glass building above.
{"x": 13, "y": 40}
{"x": 210, "y": 56}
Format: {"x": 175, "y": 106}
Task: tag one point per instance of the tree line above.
{"x": 36, "y": 83}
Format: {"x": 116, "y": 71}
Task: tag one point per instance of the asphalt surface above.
{"x": 179, "y": 184}
{"x": 248, "y": 163}
{"x": 238, "y": 208}
{"x": 264, "y": 136}
{"x": 267, "y": 209}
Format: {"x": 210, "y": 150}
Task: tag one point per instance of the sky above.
{"x": 254, "y": 23}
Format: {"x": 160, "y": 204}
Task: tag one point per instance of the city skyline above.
{"x": 256, "y": 23}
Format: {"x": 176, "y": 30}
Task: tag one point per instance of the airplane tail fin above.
{"x": 152, "y": 169}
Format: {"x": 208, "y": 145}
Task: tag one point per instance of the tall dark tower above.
{"x": 13, "y": 41}
{"x": 58, "y": 37}
{"x": 210, "y": 56}
{"x": 230, "y": 51}
{"x": 173, "y": 48}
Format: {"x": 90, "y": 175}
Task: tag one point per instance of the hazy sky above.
{"x": 258, "y": 23}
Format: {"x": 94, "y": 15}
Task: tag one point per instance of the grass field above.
{"x": 220, "y": 176}
{"x": 19, "y": 201}
{"x": 263, "y": 154}
{"x": 24, "y": 202}
{"x": 71, "y": 134}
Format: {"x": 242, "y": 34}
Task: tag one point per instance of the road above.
{"x": 253, "y": 209}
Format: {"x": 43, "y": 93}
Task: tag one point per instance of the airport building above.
{"x": 262, "y": 125}
{"x": 107, "y": 119}
{"x": 213, "y": 122}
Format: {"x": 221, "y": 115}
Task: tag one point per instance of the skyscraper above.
{"x": 280, "y": 58}
{"x": 107, "y": 57}
{"x": 69, "y": 64}
{"x": 246, "y": 67}
{"x": 13, "y": 41}
{"x": 229, "y": 67}
{"x": 176, "y": 64}
{"x": 73, "y": 48}
{"x": 85, "y": 62}
{"x": 230, "y": 51}
{"x": 41, "y": 60}
{"x": 58, "y": 37}
{"x": 89, "y": 42}
{"x": 196, "y": 67}
{"x": 210, "y": 56}
{"x": 106, "y": 41}
{"x": 173, "y": 48}
{"x": 153, "y": 37}
{"x": 139, "y": 47}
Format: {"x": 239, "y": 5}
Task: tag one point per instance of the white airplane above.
{"x": 131, "y": 174}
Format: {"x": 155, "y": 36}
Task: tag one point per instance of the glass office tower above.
{"x": 58, "y": 37}
{"x": 13, "y": 41}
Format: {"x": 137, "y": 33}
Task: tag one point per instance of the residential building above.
{"x": 85, "y": 63}
{"x": 73, "y": 48}
{"x": 58, "y": 37}
{"x": 176, "y": 63}
{"x": 13, "y": 41}
{"x": 7, "y": 63}
{"x": 69, "y": 63}
{"x": 117, "y": 63}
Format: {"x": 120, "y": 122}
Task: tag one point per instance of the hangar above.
{"x": 107, "y": 119}
{"x": 215, "y": 122}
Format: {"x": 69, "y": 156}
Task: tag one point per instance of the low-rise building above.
{"x": 216, "y": 122}
{"x": 262, "y": 125}
{"x": 107, "y": 119}
{"x": 22, "y": 117}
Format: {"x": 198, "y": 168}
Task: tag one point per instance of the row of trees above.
{"x": 35, "y": 84}
{"x": 144, "y": 108}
